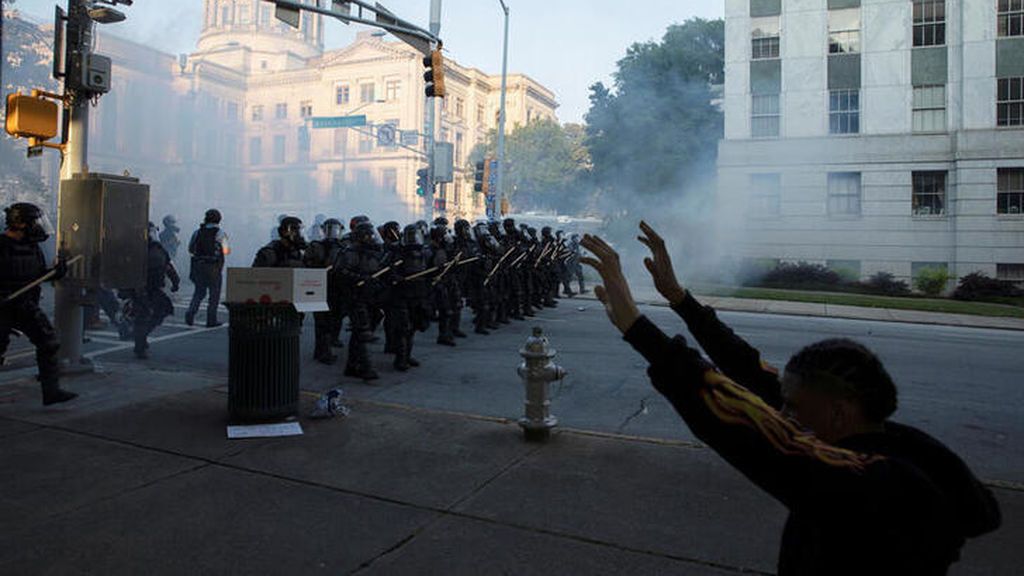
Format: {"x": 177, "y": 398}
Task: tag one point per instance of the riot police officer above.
{"x": 322, "y": 254}
{"x": 356, "y": 266}
{"x": 286, "y": 250}
{"x": 208, "y": 247}
{"x": 408, "y": 306}
{"x": 316, "y": 231}
{"x": 573, "y": 264}
{"x": 446, "y": 293}
{"x": 169, "y": 236}
{"x": 21, "y": 262}
{"x": 150, "y": 305}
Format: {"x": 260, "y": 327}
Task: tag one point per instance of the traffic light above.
{"x": 434, "y": 76}
{"x": 422, "y": 181}
{"x": 478, "y": 176}
{"x": 31, "y": 117}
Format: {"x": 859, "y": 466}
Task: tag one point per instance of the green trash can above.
{"x": 263, "y": 361}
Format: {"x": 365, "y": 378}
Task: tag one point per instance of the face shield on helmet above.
{"x": 463, "y": 230}
{"x": 412, "y": 236}
{"x": 365, "y": 233}
{"x": 332, "y": 229}
{"x": 291, "y": 230}
{"x": 391, "y": 232}
{"x": 30, "y": 220}
{"x": 153, "y": 231}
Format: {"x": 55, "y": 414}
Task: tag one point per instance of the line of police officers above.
{"x": 408, "y": 276}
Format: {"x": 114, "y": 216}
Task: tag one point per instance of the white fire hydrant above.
{"x": 537, "y": 371}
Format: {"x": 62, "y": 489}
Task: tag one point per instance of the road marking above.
{"x": 176, "y": 335}
{"x": 22, "y": 354}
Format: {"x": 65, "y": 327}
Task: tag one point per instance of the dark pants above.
{"x": 360, "y": 325}
{"x": 207, "y": 278}
{"x": 150, "y": 309}
{"x": 26, "y": 317}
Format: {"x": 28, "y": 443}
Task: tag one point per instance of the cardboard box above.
{"x": 304, "y": 288}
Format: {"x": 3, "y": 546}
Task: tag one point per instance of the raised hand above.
{"x": 660, "y": 266}
{"x": 614, "y": 293}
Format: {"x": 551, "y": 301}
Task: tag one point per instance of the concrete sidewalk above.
{"x": 648, "y": 295}
{"x": 138, "y": 477}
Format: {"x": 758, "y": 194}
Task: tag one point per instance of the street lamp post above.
{"x": 500, "y": 192}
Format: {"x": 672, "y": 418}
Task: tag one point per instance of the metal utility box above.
{"x": 105, "y": 218}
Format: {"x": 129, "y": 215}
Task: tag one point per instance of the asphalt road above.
{"x": 962, "y": 385}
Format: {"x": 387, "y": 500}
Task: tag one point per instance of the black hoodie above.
{"x": 892, "y": 502}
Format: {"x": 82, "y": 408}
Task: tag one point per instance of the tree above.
{"x": 26, "y": 60}
{"x": 545, "y": 165}
{"x": 659, "y": 129}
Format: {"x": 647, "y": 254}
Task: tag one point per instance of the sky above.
{"x": 566, "y": 45}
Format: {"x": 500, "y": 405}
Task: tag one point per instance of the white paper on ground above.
{"x": 265, "y": 430}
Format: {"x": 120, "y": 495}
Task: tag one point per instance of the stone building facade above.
{"x": 229, "y": 125}
{"x": 877, "y": 135}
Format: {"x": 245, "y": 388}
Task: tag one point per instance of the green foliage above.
{"x": 545, "y": 165}
{"x": 26, "y": 61}
{"x": 659, "y": 129}
{"x": 931, "y": 281}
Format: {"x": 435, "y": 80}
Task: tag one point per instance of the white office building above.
{"x": 877, "y": 135}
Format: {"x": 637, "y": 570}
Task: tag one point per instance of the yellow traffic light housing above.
{"x": 31, "y": 117}
{"x": 434, "y": 76}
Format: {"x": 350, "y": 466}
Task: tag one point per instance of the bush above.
{"x": 932, "y": 281}
{"x": 885, "y": 284}
{"x": 978, "y": 286}
{"x": 800, "y": 275}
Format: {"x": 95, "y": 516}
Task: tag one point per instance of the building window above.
{"x": 340, "y": 141}
{"x": 1010, "y": 191}
{"x": 764, "y": 115}
{"x": 844, "y": 111}
{"x": 929, "y": 109}
{"x": 844, "y": 193}
{"x": 392, "y": 90}
{"x": 306, "y": 108}
{"x": 338, "y": 184}
{"x": 225, "y": 16}
{"x": 304, "y": 142}
{"x": 458, "y": 148}
{"x": 844, "y": 31}
{"x": 363, "y": 180}
{"x": 765, "y": 195}
{"x": 479, "y": 113}
{"x": 847, "y": 269}
{"x": 929, "y": 195}
{"x": 263, "y": 64}
{"x": 1011, "y": 273}
{"x": 257, "y": 113}
{"x": 254, "y": 190}
{"x": 460, "y": 109}
{"x": 365, "y": 143}
{"x": 1010, "y": 102}
{"x": 281, "y": 111}
{"x": 255, "y": 151}
{"x": 1010, "y": 18}
{"x": 929, "y": 22}
{"x": 341, "y": 94}
{"x": 277, "y": 189}
{"x": 764, "y": 37}
{"x": 366, "y": 93}
{"x": 279, "y": 149}
{"x": 232, "y": 111}
{"x": 389, "y": 180}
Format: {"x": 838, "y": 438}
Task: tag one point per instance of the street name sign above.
{"x": 339, "y": 121}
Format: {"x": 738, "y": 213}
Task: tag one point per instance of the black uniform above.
{"x": 321, "y": 254}
{"x": 575, "y": 268}
{"x": 446, "y": 291}
{"x": 358, "y": 261}
{"x": 169, "y": 237}
{"x": 21, "y": 262}
{"x": 408, "y": 303}
{"x": 206, "y": 271}
{"x": 150, "y": 305}
{"x": 279, "y": 253}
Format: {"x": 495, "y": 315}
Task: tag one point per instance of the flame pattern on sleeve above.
{"x": 733, "y": 404}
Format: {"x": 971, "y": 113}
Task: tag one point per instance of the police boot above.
{"x": 408, "y": 352}
{"x": 480, "y": 322}
{"x": 52, "y": 393}
{"x": 444, "y": 330}
{"x": 583, "y": 290}
{"x": 401, "y": 355}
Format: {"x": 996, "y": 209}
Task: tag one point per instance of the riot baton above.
{"x": 379, "y": 273}
{"x": 40, "y": 280}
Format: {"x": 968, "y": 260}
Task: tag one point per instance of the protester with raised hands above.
{"x": 865, "y": 495}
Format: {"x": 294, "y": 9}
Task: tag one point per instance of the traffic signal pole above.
{"x": 429, "y": 116}
{"x": 67, "y": 313}
{"x": 500, "y": 180}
